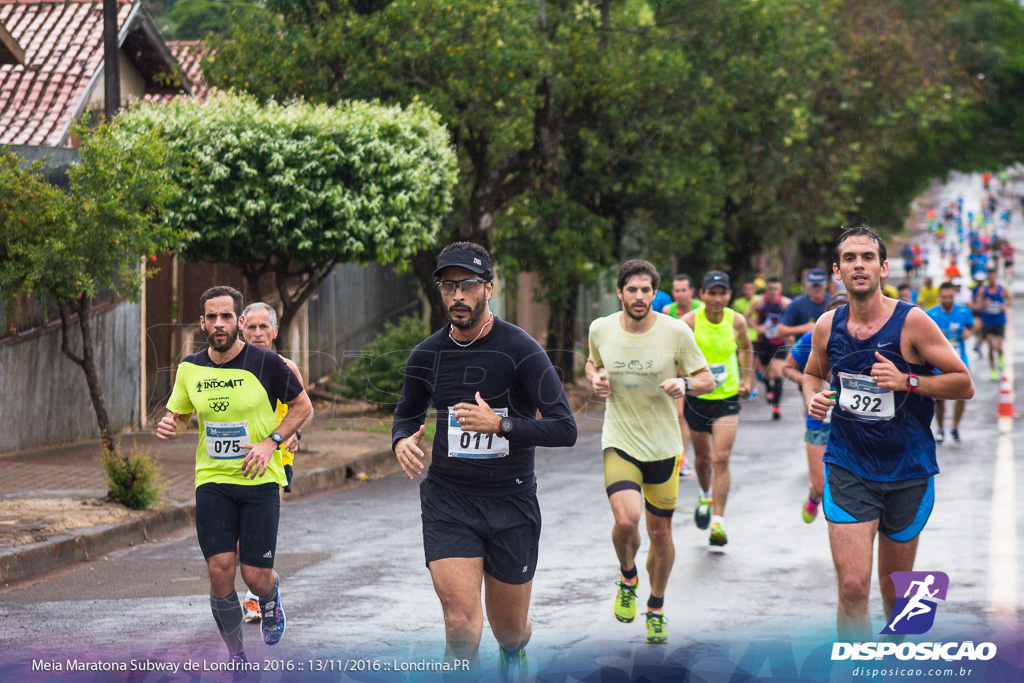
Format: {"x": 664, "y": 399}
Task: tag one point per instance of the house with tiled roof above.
{"x": 10, "y": 51}
{"x": 60, "y": 73}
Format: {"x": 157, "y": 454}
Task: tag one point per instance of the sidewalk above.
{"x": 52, "y": 507}
{"x": 45, "y": 493}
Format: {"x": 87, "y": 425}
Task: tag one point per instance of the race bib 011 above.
{"x": 469, "y": 444}
{"x": 861, "y": 396}
{"x": 224, "y": 439}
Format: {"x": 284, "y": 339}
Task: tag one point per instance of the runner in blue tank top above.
{"x": 991, "y": 302}
{"x": 881, "y": 355}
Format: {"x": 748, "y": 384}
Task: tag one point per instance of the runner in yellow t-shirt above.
{"x": 641, "y": 361}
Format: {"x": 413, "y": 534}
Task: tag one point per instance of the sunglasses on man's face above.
{"x": 468, "y": 286}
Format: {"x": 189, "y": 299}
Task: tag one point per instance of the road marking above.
{"x": 1002, "y": 544}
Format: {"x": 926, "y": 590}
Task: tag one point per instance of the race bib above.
{"x": 470, "y": 444}
{"x": 994, "y": 308}
{"x": 720, "y": 371}
{"x": 771, "y": 330}
{"x": 224, "y": 439}
{"x": 862, "y": 397}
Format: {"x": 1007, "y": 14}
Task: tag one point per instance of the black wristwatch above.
{"x": 505, "y": 427}
{"x": 277, "y": 438}
{"x": 298, "y": 434}
{"x": 688, "y": 383}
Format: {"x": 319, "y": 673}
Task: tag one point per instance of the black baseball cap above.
{"x": 464, "y": 258}
{"x": 715, "y": 278}
{"x": 816, "y": 276}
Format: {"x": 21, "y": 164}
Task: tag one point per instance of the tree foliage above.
{"x": 293, "y": 189}
{"x": 66, "y": 246}
{"x": 708, "y": 131}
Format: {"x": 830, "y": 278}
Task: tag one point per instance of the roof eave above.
{"x": 10, "y": 51}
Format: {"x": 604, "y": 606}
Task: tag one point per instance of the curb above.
{"x": 22, "y": 562}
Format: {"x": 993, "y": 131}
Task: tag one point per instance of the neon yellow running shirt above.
{"x": 237, "y": 404}
{"x": 718, "y": 344}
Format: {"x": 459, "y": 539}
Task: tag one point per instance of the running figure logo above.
{"x": 914, "y": 613}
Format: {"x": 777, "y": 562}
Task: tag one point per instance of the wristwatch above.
{"x": 505, "y": 427}
{"x": 912, "y": 382}
{"x": 688, "y": 383}
{"x": 277, "y": 438}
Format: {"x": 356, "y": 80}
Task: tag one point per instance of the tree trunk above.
{"x": 87, "y": 361}
{"x": 562, "y": 334}
{"x": 423, "y": 264}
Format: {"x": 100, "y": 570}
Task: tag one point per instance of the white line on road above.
{"x": 1002, "y": 544}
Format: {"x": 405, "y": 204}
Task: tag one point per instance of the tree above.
{"x": 711, "y": 131}
{"x": 68, "y": 245}
{"x": 293, "y": 189}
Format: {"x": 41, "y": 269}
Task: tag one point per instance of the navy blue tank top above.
{"x": 877, "y": 434}
{"x": 770, "y": 314}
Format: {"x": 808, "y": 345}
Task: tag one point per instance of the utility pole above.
{"x": 111, "y": 68}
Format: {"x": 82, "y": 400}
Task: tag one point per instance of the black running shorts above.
{"x": 701, "y": 413}
{"x": 901, "y": 507}
{"x": 504, "y": 530}
{"x": 766, "y": 352}
{"x": 230, "y": 514}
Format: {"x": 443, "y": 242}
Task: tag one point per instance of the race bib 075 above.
{"x": 224, "y": 439}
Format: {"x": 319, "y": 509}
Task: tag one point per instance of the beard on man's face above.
{"x": 475, "y": 313}
{"x": 229, "y": 340}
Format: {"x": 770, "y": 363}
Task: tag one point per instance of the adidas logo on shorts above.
{"x": 268, "y": 555}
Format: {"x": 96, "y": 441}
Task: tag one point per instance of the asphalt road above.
{"x": 359, "y": 598}
{"x": 355, "y": 587}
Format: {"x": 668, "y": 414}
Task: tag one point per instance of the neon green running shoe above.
{"x": 657, "y": 633}
{"x": 717, "y": 534}
{"x": 702, "y": 515}
{"x": 513, "y": 667}
{"x": 625, "y": 602}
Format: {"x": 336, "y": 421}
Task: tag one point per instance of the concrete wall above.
{"x": 44, "y": 398}
{"x": 348, "y": 311}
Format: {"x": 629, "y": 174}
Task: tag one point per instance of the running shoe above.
{"x": 955, "y": 433}
{"x": 809, "y": 511}
{"x": 239, "y": 667}
{"x": 272, "y": 621}
{"x": 684, "y": 468}
{"x": 776, "y": 413}
{"x": 657, "y": 633}
{"x": 625, "y": 602}
{"x": 702, "y": 515}
{"x": 513, "y": 667}
{"x": 941, "y": 436}
{"x": 717, "y": 535}
{"x": 251, "y": 607}
{"x": 994, "y": 375}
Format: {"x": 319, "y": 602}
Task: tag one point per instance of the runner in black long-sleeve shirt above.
{"x": 481, "y": 521}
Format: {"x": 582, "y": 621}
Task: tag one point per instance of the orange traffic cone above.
{"x": 1006, "y": 400}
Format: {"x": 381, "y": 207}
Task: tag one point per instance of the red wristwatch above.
{"x": 913, "y": 382}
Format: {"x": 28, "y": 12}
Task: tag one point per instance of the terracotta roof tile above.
{"x": 189, "y": 54}
{"x": 63, "y": 44}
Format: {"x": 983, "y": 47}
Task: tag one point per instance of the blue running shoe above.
{"x": 239, "y": 667}
{"x": 272, "y": 621}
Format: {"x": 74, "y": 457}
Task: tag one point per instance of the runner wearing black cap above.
{"x": 487, "y": 379}
{"x": 713, "y": 418}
